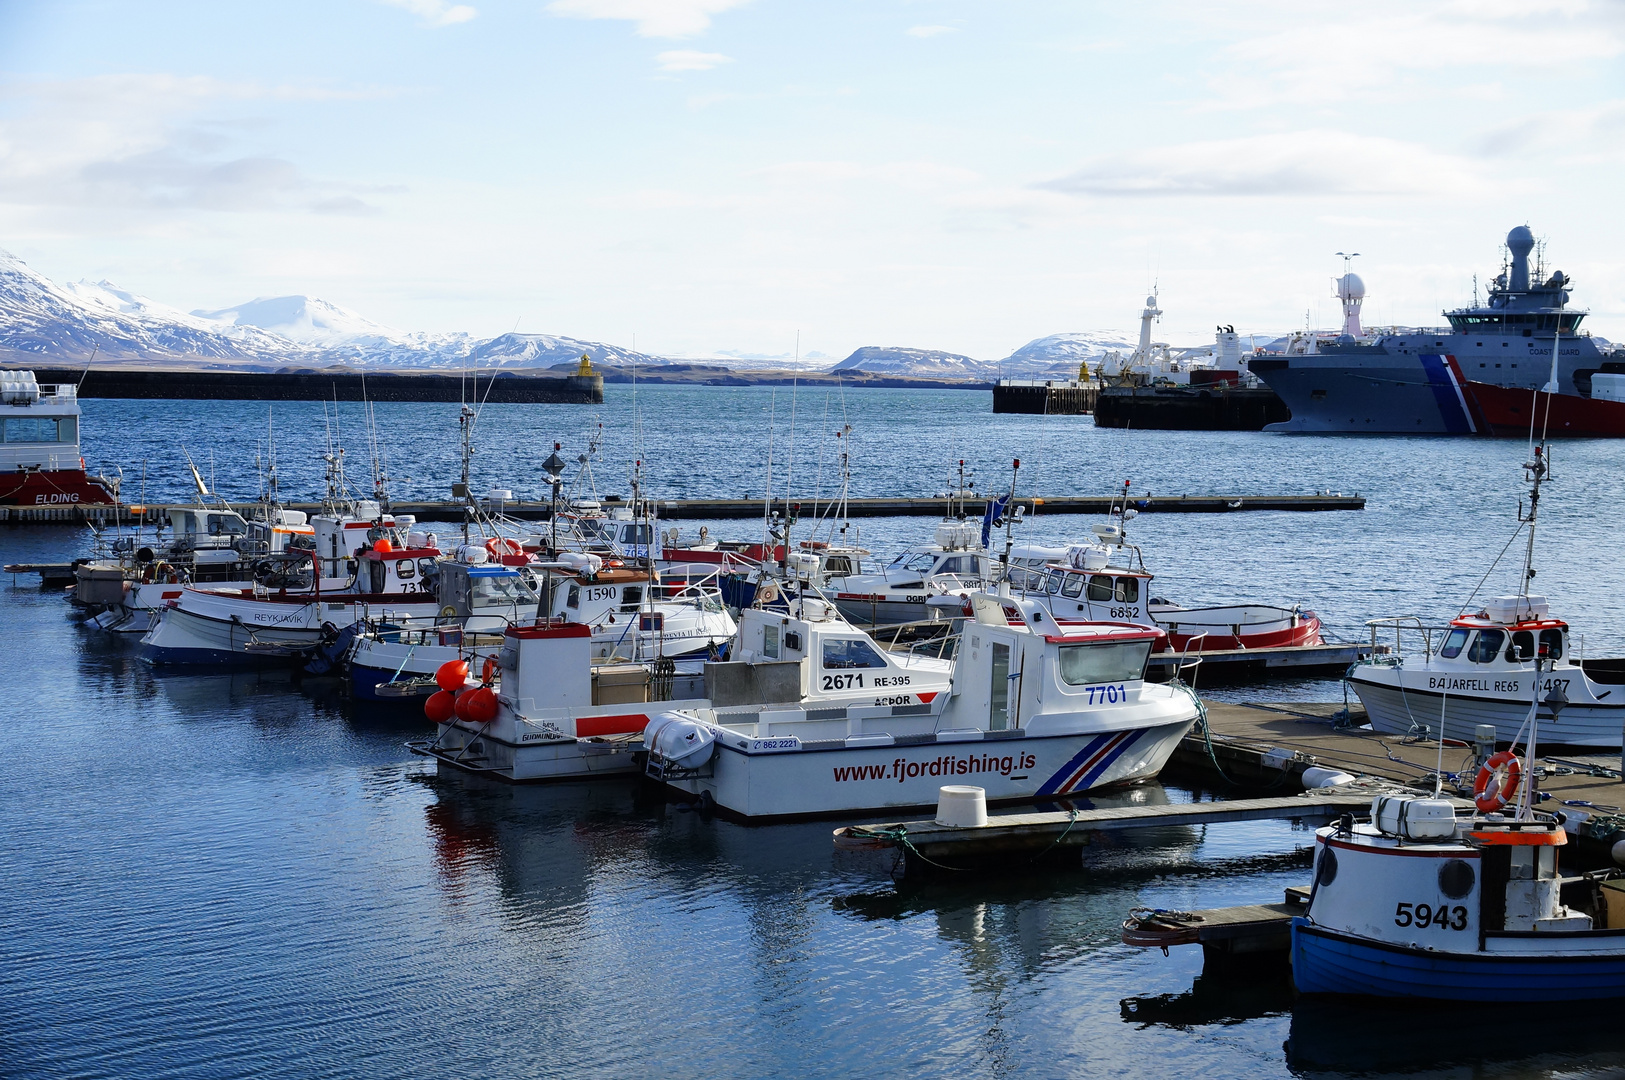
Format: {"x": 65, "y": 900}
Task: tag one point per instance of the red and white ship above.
{"x": 39, "y": 458}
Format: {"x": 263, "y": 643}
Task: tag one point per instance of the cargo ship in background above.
{"x": 1482, "y": 375}
{"x": 39, "y": 458}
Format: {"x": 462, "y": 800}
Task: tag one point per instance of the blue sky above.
{"x": 715, "y": 175}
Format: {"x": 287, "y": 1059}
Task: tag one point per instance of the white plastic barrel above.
{"x": 961, "y": 807}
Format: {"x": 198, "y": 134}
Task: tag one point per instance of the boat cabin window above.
{"x": 1552, "y": 642}
{"x": 1522, "y": 647}
{"x": 998, "y": 705}
{"x": 405, "y": 569}
{"x": 226, "y": 525}
{"x": 635, "y": 534}
{"x": 573, "y": 598}
{"x": 1486, "y": 647}
{"x": 1073, "y": 586}
{"x": 792, "y": 641}
{"x": 425, "y": 566}
{"x": 1453, "y": 643}
{"x": 770, "y": 642}
{"x": 1055, "y": 579}
{"x": 499, "y": 591}
{"x": 957, "y": 564}
{"x": 1114, "y": 661}
{"x": 851, "y": 653}
{"x": 1127, "y": 590}
{"x": 838, "y": 565}
{"x": 918, "y": 561}
{"x": 631, "y": 597}
{"x": 35, "y": 429}
{"x": 1100, "y": 587}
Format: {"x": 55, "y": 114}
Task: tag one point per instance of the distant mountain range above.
{"x": 48, "y": 324}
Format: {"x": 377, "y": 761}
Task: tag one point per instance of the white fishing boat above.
{"x": 1421, "y": 904}
{"x": 40, "y": 459}
{"x": 954, "y": 562}
{"x": 1106, "y": 578}
{"x": 631, "y": 616}
{"x": 1489, "y": 667}
{"x": 1036, "y": 710}
{"x": 261, "y": 624}
{"x": 556, "y": 714}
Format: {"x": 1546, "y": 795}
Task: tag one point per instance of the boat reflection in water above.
{"x": 1343, "y": 1037}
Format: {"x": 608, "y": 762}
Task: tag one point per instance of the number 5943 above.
{"x": 1441, "y": 917}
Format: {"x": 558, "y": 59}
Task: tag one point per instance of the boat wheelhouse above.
{"x": 956, "y": 561}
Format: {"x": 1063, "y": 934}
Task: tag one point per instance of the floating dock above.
{"x": 723, "y": 509}
{"x": 927, "y": 845}
{"x": 1230, "y": 664}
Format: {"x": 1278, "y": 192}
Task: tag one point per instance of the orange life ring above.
{"x": 488, "y": 671}
{"x": 1490, "y": 799}
{"x": 498, "y": 546}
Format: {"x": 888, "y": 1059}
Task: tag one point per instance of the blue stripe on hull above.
{"x": 1327, "y": 963}
{"x": 1452, "y": 407}
{"x": 214, "y": 658}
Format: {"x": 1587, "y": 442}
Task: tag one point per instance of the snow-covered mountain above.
{"x": 41, "y": 321}
{"x": 1062, "y": 353}
{"x": 896, "y": 360}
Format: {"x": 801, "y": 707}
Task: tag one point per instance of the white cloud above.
{"x": 655, "y": 18}
{"x": 140, "y": 141}
{"x": 436, "y": 12}
{"x": 690, "y": 60}
{"x": 930, "y": 31}
{"x": 1302, "y": 163}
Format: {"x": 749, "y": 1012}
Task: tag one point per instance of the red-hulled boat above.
{"x": 1508, "y": 410}
{"x": 39, "y": 457}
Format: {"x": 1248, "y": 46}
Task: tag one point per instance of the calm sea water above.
{"x": 217, "y": 876}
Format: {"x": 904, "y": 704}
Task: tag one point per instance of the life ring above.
{"x": 488, "y": 671}
{"x": 498, "y": 546}
{"x": 1490, "y": 799}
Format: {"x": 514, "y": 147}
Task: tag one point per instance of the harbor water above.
{"x": 216, "y": 875}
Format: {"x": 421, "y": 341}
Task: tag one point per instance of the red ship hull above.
{"x": 62, "y": 487}
{"x": 1506, "y": 410}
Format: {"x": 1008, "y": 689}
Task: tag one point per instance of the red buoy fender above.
{"x": 479, "y": 706}
{"x": 1491, "y": 792}
{"x": 440, "y": 707}
{"x": 452, "y": 675}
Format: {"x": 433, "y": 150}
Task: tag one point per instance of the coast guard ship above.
{"x": 1415, "y": 381}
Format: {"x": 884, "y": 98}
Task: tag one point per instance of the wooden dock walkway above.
{"x": 1008, "y": 837}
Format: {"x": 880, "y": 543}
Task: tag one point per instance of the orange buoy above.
{"x": 440, "y": 707}
{"x": 382, "y": 545}
{"x": 452, "y": 675}
{"x": 478, "y": 706}
{"x": 460, "y": 703}
{"x": 1491, "y": 791}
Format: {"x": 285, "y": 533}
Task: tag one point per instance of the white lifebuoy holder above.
{"x": 767, "y": 593}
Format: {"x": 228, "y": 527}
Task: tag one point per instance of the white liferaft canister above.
{"x": 961, "y": 807}
{"x": 1318, "y": 776}
{"x": 1414, "y": 819}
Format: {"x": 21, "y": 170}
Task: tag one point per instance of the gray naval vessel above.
{"x": 1414, "y": 381}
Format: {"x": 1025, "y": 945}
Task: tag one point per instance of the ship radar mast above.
{"x": 1151, "y": 313}
{"x": 1350, "y": 291}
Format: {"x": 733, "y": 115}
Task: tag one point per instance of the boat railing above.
{"x": 1400, "y": 625}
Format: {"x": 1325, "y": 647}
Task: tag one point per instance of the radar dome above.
{"x": 1350, "y": 287}
{"x": 1151, "y": 301}
{"x": 1521, "y": 241}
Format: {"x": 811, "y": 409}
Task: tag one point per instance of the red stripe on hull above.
{"x": 1306, "y": 632}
